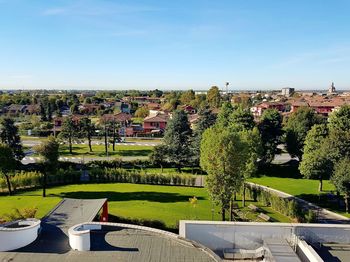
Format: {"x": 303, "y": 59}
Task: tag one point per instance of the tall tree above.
{"x": 223, "y": 157}
{"x": 296, "y": 128}
{"x": 87, "y": 130}
{"x": 341, "y": 180}
{"x": 187, "y": 97}
{"x": 340, "y": 119}
{"x": 159, "y": 155}
{"x": 49, "y": 150}
{"x": 254, "y": 151}
{"x": 270, "y": 127}
{"x": 315, "y": 163}
{"x": 241, "y": 119}
{"x": 69, "y": 131}
{"x": 177, "y": 139}
{"x": 9, "y": 136}
{"x": 213, "y": 97}
{"x": 7, "y": 164}
{"x": 223, "y": 118}
{"x": 206, "y": 120}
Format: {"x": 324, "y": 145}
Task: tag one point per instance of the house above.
{"x": 121, "y": 118}
{"x": 155, "y": 123}
{"x": 258, "y": 110}
{"x": 189, "y": 109}
{"x": 153, "y": 106}
{"x": 32, "y": 110}
{"x": 89, "y": 108}
{"x": 14, "y": 109}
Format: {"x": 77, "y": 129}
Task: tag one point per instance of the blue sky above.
{"x": 182, "y": 44}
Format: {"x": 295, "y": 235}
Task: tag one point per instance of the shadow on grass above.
{"x": 285, "y": 170}
{"x": 142, "y": 222}
{"x": 129, "y": 196}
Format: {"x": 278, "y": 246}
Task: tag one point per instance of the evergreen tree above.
{"x": 9, "y": 136}
{"x": 206, "y": 120}
{"x": 177, "y": 139}
{"x": 296, "y": 128}
{"x": 7, "y": 164}
{"x": 270, "y": 127}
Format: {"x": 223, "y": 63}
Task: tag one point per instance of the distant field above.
{"x": 165, "y": 203}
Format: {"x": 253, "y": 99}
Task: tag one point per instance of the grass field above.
{"x": 99, "y": 150}
{"x": 168, "y": 204}
{"x": 296, "y": 187}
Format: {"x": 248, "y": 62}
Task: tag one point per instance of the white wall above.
{"x": 220, "y": 235}
{"x": 14, "y": 238}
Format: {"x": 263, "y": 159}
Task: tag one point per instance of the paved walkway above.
{"x": 323, "y": 215}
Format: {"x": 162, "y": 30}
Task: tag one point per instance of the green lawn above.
{"x": 99, "y": 150}
{"x": 165, "y": 203}
{"x": 293, "y": 186}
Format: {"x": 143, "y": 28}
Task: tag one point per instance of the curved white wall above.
{"x": 12, "y": 238}
{"x": 79, "y": 235}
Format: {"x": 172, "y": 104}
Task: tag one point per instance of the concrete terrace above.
{"x": 112, "y": 243}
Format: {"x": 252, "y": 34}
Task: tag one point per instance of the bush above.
{"x": 285, "y": 206}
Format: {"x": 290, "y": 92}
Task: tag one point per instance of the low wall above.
{"x": 18, "y": 234}
{"x": 220, "y": 235}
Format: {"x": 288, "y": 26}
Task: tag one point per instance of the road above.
{"x": 29, "y": 158}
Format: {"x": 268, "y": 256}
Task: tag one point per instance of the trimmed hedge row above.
{"x": 96, "y": 175}
{"x": 285, "y": 206}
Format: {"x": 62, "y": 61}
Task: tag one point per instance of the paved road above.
{"x": 31, "y": 159}
{"x": 323, "y": 215}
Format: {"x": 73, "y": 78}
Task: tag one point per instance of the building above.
{"x": 258, "y": 110}
{"x": 287, "y": 91}
{"x": 155, "y": 123}
{"x": 78, "y": 230}
{"x": 331, "y": 89}
{"x": 253, "y": 241}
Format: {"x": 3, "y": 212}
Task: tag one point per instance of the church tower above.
{"x": 331, "y": 89}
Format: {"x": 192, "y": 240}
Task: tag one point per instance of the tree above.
{"x": 223, "y": 157}
{"x": 224, "y": 114}
{"x": 296, "y": 128}
{"x": 158, "y": 156}
{"x": 315, "y": 163}
{"x": 341, "y": 179}
{"x": 9, "y": 136}
{"x": 69, "y": 131}
{"x": 241, "y": 119}
{"x": 340, "y": 119}
{"x": 7, "y": 163}
{"x": 187, "y": 97}
{"x": 141, "y": 112}
{"x": 87, "y": 130}
{"x": 213, "y": 97}
{"x": 254, "y": 151}
{"x": 177, "y": 139}
{"x": 270, "y": 127}
{"x": 49, "y": 151}
{"x": 206, "y": 119}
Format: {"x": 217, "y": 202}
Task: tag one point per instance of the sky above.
{"x": 182, "y": 44}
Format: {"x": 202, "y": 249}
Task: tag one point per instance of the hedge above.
{"x": 285, "y": 206}
{"x": 30, "y": 179}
